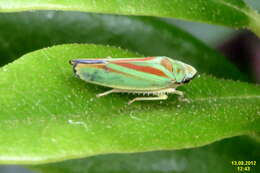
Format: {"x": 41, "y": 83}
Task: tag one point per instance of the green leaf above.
{"x": 146, "y": 35}
{"x": 233, "y": 13}
{"x": 49, "y": 115}
{"x": 214, "y": 158}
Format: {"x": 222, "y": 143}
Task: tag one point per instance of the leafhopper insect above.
{"x": 157, "y": 76}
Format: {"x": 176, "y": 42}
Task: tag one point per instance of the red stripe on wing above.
{"x": 145, "y": 69}
{"x": 125, "y": 74}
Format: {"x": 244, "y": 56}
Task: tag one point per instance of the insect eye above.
{"x": 167, "y": 64}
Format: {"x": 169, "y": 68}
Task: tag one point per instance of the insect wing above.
{"x": 124, "y": 73}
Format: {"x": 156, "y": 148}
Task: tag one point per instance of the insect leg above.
{"x": 106, "y": 93}
{"x": 180, "y": 93}
{"x": 111, "y": 91}
{"x": 173, "y": 91}
{"x": 160, "y": 97}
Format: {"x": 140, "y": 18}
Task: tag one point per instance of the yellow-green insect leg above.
{"x": 180, "y": 93}
{"x": 172, "y": 91}
{"x": 107, "y": 92}
{"x": 181, "y": 98}
{"x": 159, "y": 97}
{"x": 113, "y": 91}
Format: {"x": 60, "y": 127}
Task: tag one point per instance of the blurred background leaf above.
{"x": 233, "y": 13}
{"x": 145, "y": 35}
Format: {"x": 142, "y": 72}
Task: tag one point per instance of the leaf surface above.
{"x": 49, "y": 115}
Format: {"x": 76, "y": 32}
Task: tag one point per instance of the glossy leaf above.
{"x": 146, "y": 35}
{"x": 49, "y": 115}
{"x": 234, "y": 13}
